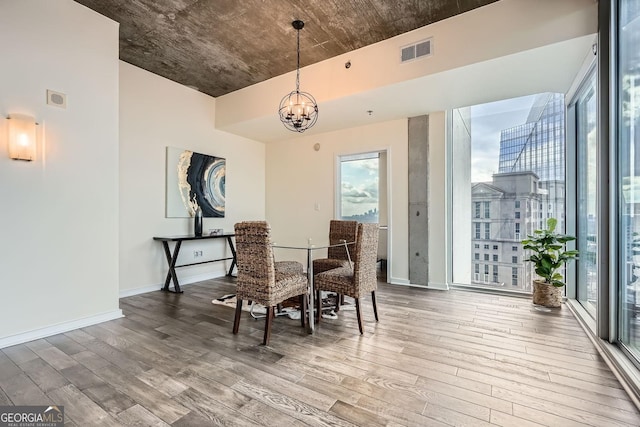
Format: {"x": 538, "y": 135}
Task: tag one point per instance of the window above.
{"x": 486, "y": 246}
{"x": 585, "y": 110}
{"x": 526, "y": 165}
{"x": 514, "y": 276}
{"x": 486, "y": 257}
{"x": 495, "y": 257}
{"x": 628, "y": 235}
{"x": 486, "y": 269}
{"x": 476, "y": 256}
{"x": 477, "y": 268}
{"x": 514, "y": 260}
{"x": 359, "y": 187}
{"x": 514, "y": 248}
{"x": 495, "y": 274}
{"x": 477, "y": 246}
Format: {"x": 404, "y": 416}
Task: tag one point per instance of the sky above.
{"x": 487, "y": 120}
{"x": 359, "y": 186}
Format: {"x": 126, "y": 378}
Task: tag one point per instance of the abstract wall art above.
{"x": 194, "y": 179}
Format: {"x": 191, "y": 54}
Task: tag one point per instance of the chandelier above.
{"x": 298, "y": 110}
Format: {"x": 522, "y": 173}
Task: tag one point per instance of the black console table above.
{"x": 173, "y": 257}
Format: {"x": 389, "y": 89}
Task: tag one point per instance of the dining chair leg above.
{"x": 267, "y": 325}
{"x": 318, "y": 306}
{"x": 303, "y": 309}
{"x": 359, "y": 315}
{"x": 375, "y": 307}
{"x": 236, "y": 320}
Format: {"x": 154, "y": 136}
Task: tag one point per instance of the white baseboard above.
{"x": 59, "y": 328}
{"x": 438, "y": 286}
{"x": 430, "y": 285}
{"x": 396, "y": 281}
{"x": 184, "y": 281}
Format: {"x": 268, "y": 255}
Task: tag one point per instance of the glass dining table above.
{"x": 311, "y": 247}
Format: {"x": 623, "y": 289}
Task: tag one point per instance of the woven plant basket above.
{"x": 546, "y": 295}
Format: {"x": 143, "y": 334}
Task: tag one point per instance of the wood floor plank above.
{"x": 293, "y": 407}
{"x": 80, "y": 408}
{"x": 65, "y": 344}
{"x": 561, "y": 410}
{"x": 149, "y": 397}
{"x": 357, "y": 416}
{"x": 44, "y": 375}
{"x": 22, "y": 390}
{"x": 259, "y": 412}
{"x": 4, "y": 399}
{"x": 8, "y": 368}
{"x": 506, "y": 420}
{"x": 19, "y": 354}
{"x": 111, "y": 400}
{"x": 139, "y": 416}
{"x": 53, "y": 355}
{"x": 207, "y": 407}
{"x": 545, "y": 388}
{"x": 397, "y": 414}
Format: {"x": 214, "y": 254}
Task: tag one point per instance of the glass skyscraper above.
{"x": 538, "y": 145}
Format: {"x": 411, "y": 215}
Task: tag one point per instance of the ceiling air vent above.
{"x": 417, "y": 50}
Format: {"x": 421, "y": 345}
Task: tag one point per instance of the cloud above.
{"x": 487, "y": 121}
{"x": 352, "y": 194}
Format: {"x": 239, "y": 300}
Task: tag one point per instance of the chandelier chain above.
{"x": 298, "y": 64}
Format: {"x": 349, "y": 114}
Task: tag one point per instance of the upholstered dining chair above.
{"x": 337, "y": 256}
{"x": 340, "y": 231}
{"x": 357, "y": 280}
{"x": 258, "y": 280}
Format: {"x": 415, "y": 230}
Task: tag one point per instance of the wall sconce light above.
{"x": 22, "y": 137}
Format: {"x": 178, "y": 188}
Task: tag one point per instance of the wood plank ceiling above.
{"x": 220, "y": 46}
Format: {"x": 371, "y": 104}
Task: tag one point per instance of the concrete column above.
{"x": 418, "y": 200}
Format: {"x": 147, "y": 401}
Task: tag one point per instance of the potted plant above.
{"x": 548, "y": 256}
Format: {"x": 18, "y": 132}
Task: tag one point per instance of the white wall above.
{"x": 156, "y": 113}
{"x": 59, "y": 227}
{"x": 298, "y": 177}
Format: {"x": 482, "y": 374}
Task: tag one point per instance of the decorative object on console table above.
{"x": 197, "y": 223}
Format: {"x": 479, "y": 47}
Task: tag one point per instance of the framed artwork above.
{"x": 194, "y": 179}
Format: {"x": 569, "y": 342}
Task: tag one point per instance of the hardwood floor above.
{"x": 435, "y": 359}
